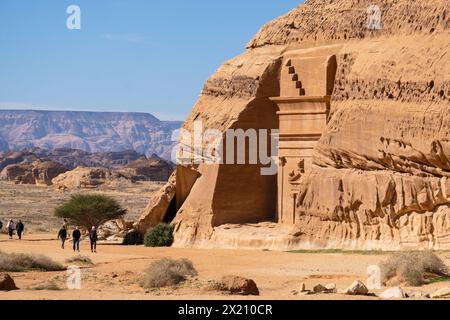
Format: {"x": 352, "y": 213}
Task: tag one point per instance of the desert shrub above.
{"x": 167, "y": 272}
{"x": 80, "y": 259}
{"x": 412, "y": 267}
{"x": 133, "y": 238}
{"x": 90, "y": 210}
{"x": 160, "y": 236}
{"x": 19, "y": 262}
{"x": 47, "y": 285}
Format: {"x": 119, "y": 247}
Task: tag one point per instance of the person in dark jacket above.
{"x": 62, "y": 235}
{"x": 93, "y": 238}
{"x": 19, "y": 229}
{"x": 76, "y": 236}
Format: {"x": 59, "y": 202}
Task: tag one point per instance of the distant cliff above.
{"x": 88, "y": 131}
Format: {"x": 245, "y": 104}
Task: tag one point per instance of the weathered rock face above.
{"x": 38, "y": 172}
{"x": 379, "y": 173}
{"x": 158, "y": 210}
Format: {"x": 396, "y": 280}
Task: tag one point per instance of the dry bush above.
{"x": 412, "y": 267}
{"x": 47, "y": 285}
{"x": 20, "y": 262}
{"x": 80, "y": 259}
{"x": 167, "y": 272}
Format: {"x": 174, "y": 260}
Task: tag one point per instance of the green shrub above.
{"x": 412, "y": 267}
{"x": 90, "y": 210}
{"x": 20, "y": 262}
{"x": 133, "y": 238}
{"x": 167, "y": 272}
{"x": 160, "y": 236}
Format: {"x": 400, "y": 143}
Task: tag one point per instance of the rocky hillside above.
{"x": 87, "y": 131}
{"x": 40, "y": 167}
{"x": 381, "y": 170}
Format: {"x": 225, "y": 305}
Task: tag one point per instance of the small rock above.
{"x": 7, "y": 283}
{"x": 331, "y": 288}
{"x": 357, "y": 288}
{"x": 441, "y": 293}
{"x": 393, "y": 293}
{"x": 319, "y": 288}
{"x": 238, "y": 285}
{"x": 294, "y": 292}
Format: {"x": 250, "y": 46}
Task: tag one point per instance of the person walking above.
{"x": 76, "y": 236}
{"x": 19, "y": 229}
{"x": 93, "y": 238}
{"x": 62, "y": 236}
{"x": 11, "y": 226}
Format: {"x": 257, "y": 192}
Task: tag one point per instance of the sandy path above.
{"x": 118, "y": 268}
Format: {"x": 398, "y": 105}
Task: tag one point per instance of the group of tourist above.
{"x": 12, "y": 226}
{"x": 76, "y": 237}
{"x": 18, "y": 227}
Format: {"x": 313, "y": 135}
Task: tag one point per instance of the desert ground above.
{"x": 35, "y": 204}
{"x": 117, "y": 270}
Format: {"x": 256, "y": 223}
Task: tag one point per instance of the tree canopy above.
{"x": 90, "y": 210}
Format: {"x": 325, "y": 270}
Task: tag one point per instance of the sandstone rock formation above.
{"x": 154, "y": 169}
{"x": 38, "y": 172}
{"x": 160, "y": 207}
{"x": 88, "y": 131}
{"x": 114, "y": 229}
{"x": 84, "y": 178}
{"x": 25, "y": 167}
{"x": 375, "y": 177}
{"x": 143, "y": 169}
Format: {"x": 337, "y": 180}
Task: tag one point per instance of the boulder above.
{"x": 319, "y": 288}
{"x": 441, "y": 293}
{"x": 357, "y": 288}
{"x": 7, "y": 283}
{"x": 393, "y": 293}
{"x": 238, "y": 286}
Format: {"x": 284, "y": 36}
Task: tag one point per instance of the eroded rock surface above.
{"x": 38, "y": 172}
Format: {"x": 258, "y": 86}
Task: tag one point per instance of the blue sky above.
{"x": 130, "y": 55}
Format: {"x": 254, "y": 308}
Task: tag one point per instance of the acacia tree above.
{"x": 90, "y": 210}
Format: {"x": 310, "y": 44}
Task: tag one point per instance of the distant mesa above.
{"x": 87, "y": 131}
